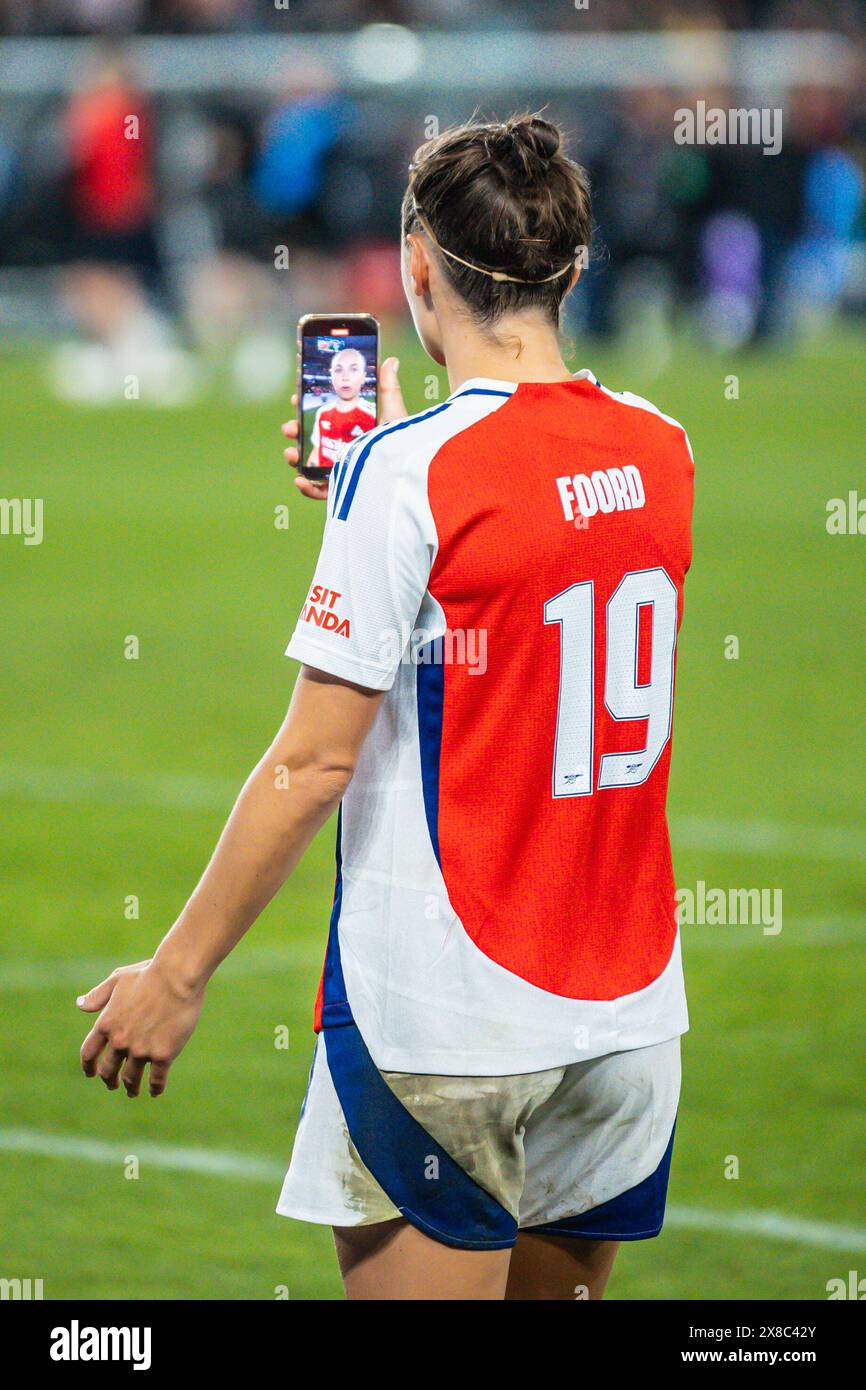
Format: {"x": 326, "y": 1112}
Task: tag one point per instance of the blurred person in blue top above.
{"x": 297, "y": 139}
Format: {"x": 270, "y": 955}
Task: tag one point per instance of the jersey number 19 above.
{"x": 624, "y": 696}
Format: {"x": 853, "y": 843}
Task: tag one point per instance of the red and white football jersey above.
{"x": 333, "y": 429}
{"x": 509, "y": 567}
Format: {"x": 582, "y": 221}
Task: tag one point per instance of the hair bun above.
{"x": 536, "y": 137}
{"x": 504, "y": 207}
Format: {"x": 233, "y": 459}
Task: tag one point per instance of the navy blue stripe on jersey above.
{"x": 338, "y": 477}
{"x": 365, "y": 452}
{"x": 395, "y": 1148}
{"x": 309, "y": 1084}
{"x": 430, "y": 686}
{"x": 383, "y": 433}
{"x": 421, "y": 1178}
{"x": 335, "y": 1005}
{"x": 480, "y": 391}
{"x": 637, "y": 1214}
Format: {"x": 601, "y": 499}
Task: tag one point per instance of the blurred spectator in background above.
{"x": 198, "y": 238}
{"x": 296, "y": 140}
{"x": 230, "y": 289}
{"x": 821, "y": 259}
{"x": 820, "y": 262}
{"x": 130, "y": 346}
{"x": 111, "y": 169}
{"x": 638, "y": 221}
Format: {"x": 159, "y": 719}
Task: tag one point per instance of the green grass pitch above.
{"x": 116, "y": 775}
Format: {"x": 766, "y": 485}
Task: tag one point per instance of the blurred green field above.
{"x": 116, "y": 774}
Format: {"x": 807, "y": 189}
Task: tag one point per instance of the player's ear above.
{"x": 419, "y": 265}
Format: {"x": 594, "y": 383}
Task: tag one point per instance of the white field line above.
{"x": 823, "y": 1235}
{"x": 82, "y": 973}
{"x": 830, "y": 929}
{"x": 170, "y": 1157}
{"x": 845, "y": 843}
{"x": 160, "y": 790}
{"x": 163, "y": 791}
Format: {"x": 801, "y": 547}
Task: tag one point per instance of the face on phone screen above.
{"x": 338, "y": 401}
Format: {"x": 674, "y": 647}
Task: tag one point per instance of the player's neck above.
{"x": 520, "y": 347}
{"x": 346, "y": 405}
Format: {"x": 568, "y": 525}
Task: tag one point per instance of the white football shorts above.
{"x": 581, "y": 1150}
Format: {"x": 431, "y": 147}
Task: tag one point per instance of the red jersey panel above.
{"x": 554, "y": 758}
{"x": 334, "y": 429}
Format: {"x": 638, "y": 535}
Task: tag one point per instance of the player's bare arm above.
{"x": 148, "y": 1011}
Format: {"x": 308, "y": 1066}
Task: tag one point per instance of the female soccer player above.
{"x": 496, "y": 1075}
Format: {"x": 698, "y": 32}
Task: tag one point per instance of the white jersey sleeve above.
{"x": 316, "y": 434}
{"x": 374, "y": 565}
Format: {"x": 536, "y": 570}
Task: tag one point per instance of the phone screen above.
{"x": 338, "y": 372}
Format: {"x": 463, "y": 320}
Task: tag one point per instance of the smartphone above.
{"x": 338, "y": 387}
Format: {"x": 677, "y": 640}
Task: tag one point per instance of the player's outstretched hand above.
{"x": 144, "y": 1017}
{"x": 391, "y": 407}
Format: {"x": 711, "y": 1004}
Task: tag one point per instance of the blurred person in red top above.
{"x": 112, "y": 194}
{"x": 125, "y": 346}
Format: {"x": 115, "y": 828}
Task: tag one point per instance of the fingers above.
{"x": 132, "y": 1074}
{"x": 388, "y": 373}
{"x": 108, "y": 1067}
{"x": 310, "y": 488}
{"x": 290, "y": 427}
{"x": 91, "y": 1048}
{"x": 391, "y": 404}
{"x": 316, "y": 490}
{"x": 97, "y": 998}
{"x": 120, "y": 1043}
{"x": 158, "y": 1077}
{"x": 292, "y": 455}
